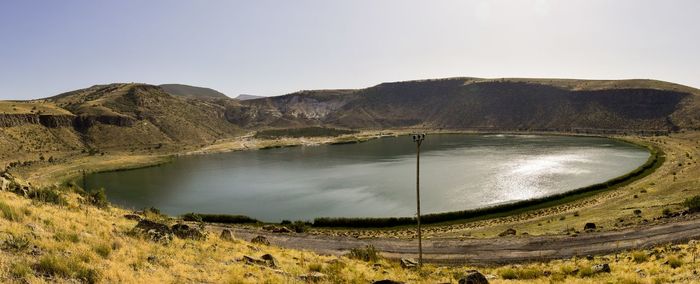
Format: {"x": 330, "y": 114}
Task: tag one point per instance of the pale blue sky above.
{"x": 278, "y": 47}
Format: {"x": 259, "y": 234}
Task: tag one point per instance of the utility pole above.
{"x": 418, "y": 139}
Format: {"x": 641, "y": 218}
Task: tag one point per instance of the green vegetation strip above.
{"x": 302, "y": 132}
{"x": 653, "y": 162}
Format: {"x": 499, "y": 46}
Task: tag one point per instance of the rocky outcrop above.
{"x": 83, "y": 122}
{"x": 54, "y": 121}
{"x": 11, "y": 120}
{"x": 154, "y": 231}
{"x": 473, "y": 277}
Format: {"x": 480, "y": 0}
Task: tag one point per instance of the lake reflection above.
{"x": 375, "y": 178}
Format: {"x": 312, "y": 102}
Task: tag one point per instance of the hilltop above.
{"x": 192, "y": 91}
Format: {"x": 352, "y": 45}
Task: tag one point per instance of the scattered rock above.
{"x": 589, "y": 227}
{"x": 260, "y": 240}
{"x": 282, "y": 230}
{"x": 133, "y": 217}
{"x": 387, "y": 281}
{"x": 152, "y": 259}
{"x": 154, "y": 231}
{"x": 268, "y": 227}
{"x": 473, "y": 277}
{"x": 599, "y": 268}
{"x": 589, "y": 257}
{"x": 408, "y": 263}
{"x": 184, "y": 231}
{"x": 253, "y": 260}
{"x": 313, "y": 276}
{"x": 226, "y": 235}
{"x": 508, "y": 232}
{"x": 271, "y": 261}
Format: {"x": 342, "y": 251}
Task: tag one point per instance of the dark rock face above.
{"x": 589, "y": 227}
{"x": 133, "y": 217}
{"x": 186, "y": 232}
{"x": 473, "y": 277}
{"x": 154, "y": 231}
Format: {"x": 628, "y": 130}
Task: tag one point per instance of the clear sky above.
{"x": 277, "y": 47}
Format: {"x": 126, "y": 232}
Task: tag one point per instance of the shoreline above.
{"x": 483, "y": 213}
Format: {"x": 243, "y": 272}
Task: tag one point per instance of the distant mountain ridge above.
{"x": 128, "y": 115}
{"x": 192, "y": 91}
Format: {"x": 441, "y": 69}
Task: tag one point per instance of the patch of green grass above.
{"x": 69, "y": 237}
{"x": 48, "y": 195}
{"x": 586, "y": 272}
{"x": 53, "y": 266}
{"x": 317, "y": 267}
{"x": 520, "y": 273}
{"x": 302, "y": 132}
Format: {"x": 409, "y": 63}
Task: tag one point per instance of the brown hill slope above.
{"x": 192, "y": 91}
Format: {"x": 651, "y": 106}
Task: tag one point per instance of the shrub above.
{"x": 11, "y": 213}
{"x": 317, "y": 267}
{"x": 637, "y": 212}
{"x": 586, "y": 272}
{"x": 299, "y": 226}
{"x": 98, "y": 198}
{"x": 666, "y": 212}
{"x": 20, "y": 270}
{"x": 218, "y": 218}
{"x": 103, "y": 250}
{"x": 16, "y": 243}
{"x": 674, "y": 262}
{"x": 639, "y": 256}
{"x": 693, "y": 203}
{"x": 50, "y": 265}
{"x": 47, "y": 195}
{"x": 368, "y": 253}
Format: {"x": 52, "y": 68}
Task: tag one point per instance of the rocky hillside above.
{"x": 489, "y": 104}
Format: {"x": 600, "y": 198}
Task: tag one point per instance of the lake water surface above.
{"x": 375, "y": 178}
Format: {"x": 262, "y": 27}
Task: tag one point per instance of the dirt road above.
{"x": 494, "y": 250}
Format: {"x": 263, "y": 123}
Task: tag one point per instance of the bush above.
{"x": 693, "y": 204}
{"x": 639, "y": 256}
{"x": 299, "y": 226}
{"x": 368, "y": 253}
{"x": 10, "y": 213}
{"x": 47, "y": 195}
{"x": 674, "y": 262}
{"x": 16, "y": 243}
{"x": 50, "y": 265}
{"x": 666, "y": 212}
{"x": 98, "y": 198}
{"x": 103, "y": 250}
{"x": 586, "y": 271}
{"x": 20, "y": 270}
{"x": 317, "y": 267}
{"x": 218, "y": 218}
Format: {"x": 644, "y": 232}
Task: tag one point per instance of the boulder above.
{"x": 270, "y": 260}
{"x": 133, "y": 217}
{"x": 226, "y": 235}
{"x": 154, "y": 231}
{"x": 184, "y": 231}
{"x": 260, "y": 240}
{"x": 473, "y": 277}
{"x": 408, "y": 263}
{"x": 508, "y": 232}
{"x": 600, "y": 268}
{"x": 589, "y": 227}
